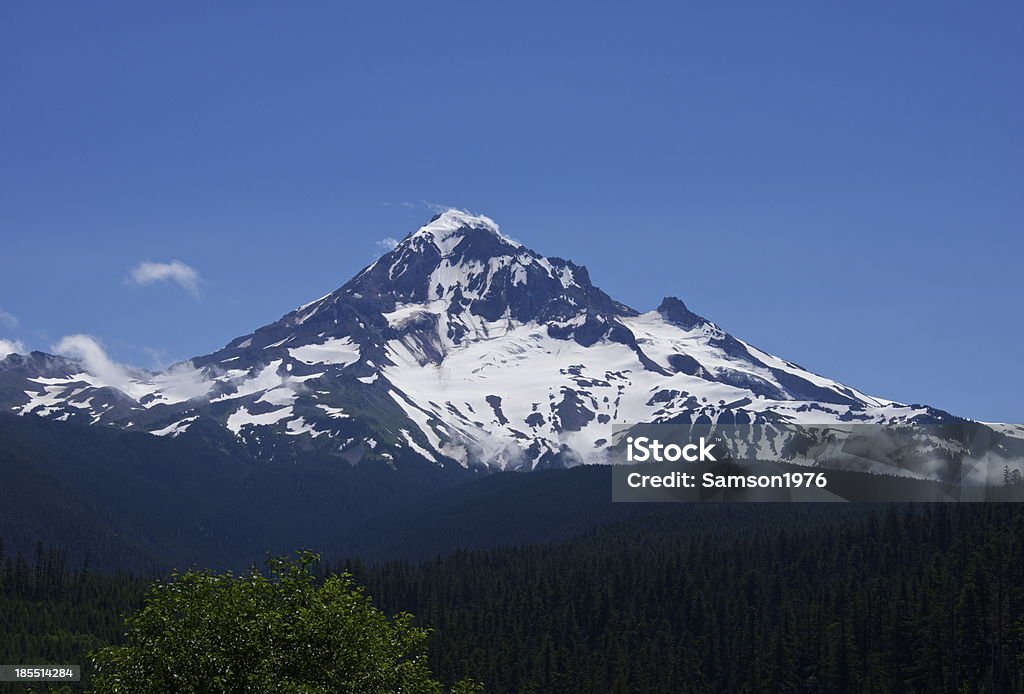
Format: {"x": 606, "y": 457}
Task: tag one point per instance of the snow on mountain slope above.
{"x": 460, "y": 346}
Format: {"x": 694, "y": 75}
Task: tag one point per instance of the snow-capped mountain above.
{"x": 460, "y": 346}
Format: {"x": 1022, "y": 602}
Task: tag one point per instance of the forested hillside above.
{"x": 731, "y": 599}
{"x": 51, "y": 613}
{"x": 808, "y": 598}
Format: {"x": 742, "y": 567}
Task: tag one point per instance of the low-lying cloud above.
{"x": 11, "y": 347}
{"x": 90, "y": 352}
{"x": 180, "y": 381}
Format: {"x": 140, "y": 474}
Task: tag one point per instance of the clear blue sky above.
{"x": 840, "y": 184}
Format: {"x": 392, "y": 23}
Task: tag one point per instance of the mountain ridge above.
{"x": 464, "y": 347}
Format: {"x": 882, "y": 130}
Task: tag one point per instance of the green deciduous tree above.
{"x": 283, "y": 632}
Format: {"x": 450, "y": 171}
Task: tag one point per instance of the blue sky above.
{"x": 842, "y": 185}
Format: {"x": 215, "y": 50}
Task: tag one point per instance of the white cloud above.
{"x": 7, "y": 319}
{"x": 437, "y": 208}
{"x": 387, "y": 244}
{"x": 92, "y": 355}
{"x": 179, "y": 382}
{"x": 182, "y": 381}
{"x": 175, "y": 271}
{"x": 11, "y": 347}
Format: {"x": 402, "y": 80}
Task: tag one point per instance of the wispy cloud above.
{"x": 92, "y": 355}
{"x": 158, "y": 358}
{"x": 436, "y": 207}
{"x": 175, "y": 271}
{"x": 11, "y": 347}
{"x": 405, "y": 204}
{"x": 181, "y": 380}
{"x": 387, "y": 244}
{"x": 7, "y": 319}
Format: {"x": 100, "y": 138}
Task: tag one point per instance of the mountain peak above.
{"x": 675, "y": 311}
{"x": 457, "y": 346}
{"x": 464, "y": 262}
{"x": 446, "y": 230}
{"x": 453, "y": 219}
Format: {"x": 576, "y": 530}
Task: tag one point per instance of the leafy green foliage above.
{"x": 283, "y": 633}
